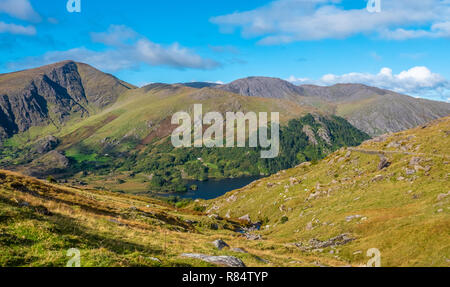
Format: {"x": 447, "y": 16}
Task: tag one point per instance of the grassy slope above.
{"x": 109, "y": 229}
{"x": 137, "y": 107}
{"x": 401, "y": 214}
{"x": 137, "y": 115}
{"x": 404, "y": 218}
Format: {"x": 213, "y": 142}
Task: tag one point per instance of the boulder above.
{"x": 227, "y": 261}
{"x": 332, "y": 242}
{"x": 220, "y": 244}
{"x": 441, "y": 196}
{"x": 384, "y": 163}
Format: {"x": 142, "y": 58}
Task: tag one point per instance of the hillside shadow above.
{"x": 71, "y": 234}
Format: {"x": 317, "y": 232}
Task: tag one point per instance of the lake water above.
{"x": 214, "y": 188}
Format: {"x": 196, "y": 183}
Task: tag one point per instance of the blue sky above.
{"x": 405, "y": 47}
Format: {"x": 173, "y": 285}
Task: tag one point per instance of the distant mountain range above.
{"x": 57, "y": 93}
{"x": 372, "y": 110}
{"x": 69, "y": 117}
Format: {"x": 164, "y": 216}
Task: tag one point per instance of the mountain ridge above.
{"x": 372, "y": 110}
{"x": 57, "y": 93}
{"x": 53, "y": 94}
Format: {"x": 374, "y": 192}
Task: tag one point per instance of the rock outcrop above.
{"x": 220, "y": 244}
{"x": 53, "y": 162}
{"x": 46, "y": 144}
{"x": 227, "y": 261}
{"x": 53, "y": 94}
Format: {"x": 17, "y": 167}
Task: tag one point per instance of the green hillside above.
{"x": 391, "y": 193}
{"x": 132, "y": 137}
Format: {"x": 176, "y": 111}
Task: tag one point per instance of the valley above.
{"x": 91, "y": 129}
{"x": 390, "y": 194}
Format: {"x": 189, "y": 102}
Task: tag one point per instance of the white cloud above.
{"x": 20, "y": 9}
{"x": 298, "y": 81}
{"x": 124, "y": 49}
{"x": 417, "y": 81}
{"x": 285, "y": 21}
{"x": 115, "y": 36}
{"x": 17, "y": 29}
{"x": 173, "y": 55}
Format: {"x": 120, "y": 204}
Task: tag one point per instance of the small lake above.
{"x": 214, "y": 188}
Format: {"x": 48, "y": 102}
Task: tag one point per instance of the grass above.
{"x": 109, "y": 229}
{"x": 403, "y": 215}
{"x": 397, "y": 213}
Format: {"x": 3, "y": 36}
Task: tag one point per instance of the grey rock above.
{"x": 410, "y": 171}
{"x": 155, "y": 259}
{"x": 227, "y": 261}
{"x": 220, "y": 244}
{"x": 441, "y": 196}
{"x": 384, "y": 163}
{"x": 251, "y": 236}
{"x": 351, "y": 217}
{"x": 316, "y": 244}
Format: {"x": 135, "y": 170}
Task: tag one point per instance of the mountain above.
{"x": 388, "y": 196}
{"x": 57, "y": 93}
{"x": 372, "y": 110}
{"x": 54, "y": 94}
{"x": 76, "y": 123}
{"x": 200, "y": 85}
{"x": 131, "y": 127}
{"x": 391, "y": 193}
{"x": 264, "y": 87}
{"x": 133, "y": 136}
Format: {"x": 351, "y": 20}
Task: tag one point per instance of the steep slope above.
{"x": 263, "y": 87}
{"x": 391, "y": 193}
{"x": 392, "y": 113}
{"x": 54, "y": 94}
{"x": 372, "y": 110}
